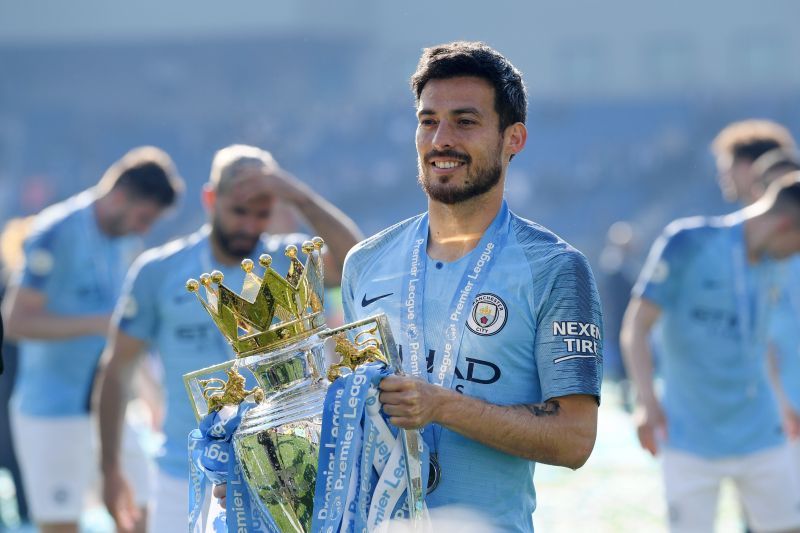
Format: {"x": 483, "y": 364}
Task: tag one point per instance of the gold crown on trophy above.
{"x": 248, "y": 320}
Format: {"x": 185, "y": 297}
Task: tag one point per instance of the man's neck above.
{"x": 756, "y": 229}
{"x": 456, "y": 229}
{"x": 102, "y": 209}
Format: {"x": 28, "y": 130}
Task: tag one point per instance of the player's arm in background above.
{"x": 640, "y": 317}
{"x": 559, "y": 431}
{"x": 658, "y": 286}
{"x": 783, "y": 358}
{"x": 135, "y": 313}
{"x": 25, "y": 306}
{"x": 338, "y": 231}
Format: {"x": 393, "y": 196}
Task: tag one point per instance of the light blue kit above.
{"x": 79, "y": 270}
{"x": 156, "y": 307}
{"x": 516, "y": 321}
{"x": 715, "y": 308}
{"x": 783, "y": 329}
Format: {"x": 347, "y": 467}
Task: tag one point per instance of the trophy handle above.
{"x": 196, "y": 384}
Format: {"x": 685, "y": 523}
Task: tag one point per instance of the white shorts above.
{"x": 58, "y": 460}
{"x": 768, "y": 484}
{"x": 170, "y": 508}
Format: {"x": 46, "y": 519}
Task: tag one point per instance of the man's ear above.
{"x": 515, "y": 137}
{"x": 209, "y": 197}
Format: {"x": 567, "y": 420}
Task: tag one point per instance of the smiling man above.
{"x": 497, "y": 318}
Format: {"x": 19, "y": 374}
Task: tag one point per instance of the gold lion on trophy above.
{"x": 219, "y": 393}
{"x": 353, "y": 356}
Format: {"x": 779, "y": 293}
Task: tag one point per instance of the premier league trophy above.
{"x": 276, "y": 326}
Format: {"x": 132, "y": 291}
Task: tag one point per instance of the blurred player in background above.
{"x": 59, "y": 307}
{"x": 157, "y": 312}
{"x": 11, "y": 260}
{"x": 711, "y": 282}
{"x": 784, "y": 347}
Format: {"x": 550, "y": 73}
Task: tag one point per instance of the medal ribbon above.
{"x": 479, "y": 263}
{"x": 478, "y": 266}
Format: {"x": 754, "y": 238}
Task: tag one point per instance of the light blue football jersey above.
{"x": 532, "y": 333}
{"x": 784, "y": 327}
{"x": 80, "y": 271}
{"x": 156, "y": 307}
{"x": 715, "y": 308}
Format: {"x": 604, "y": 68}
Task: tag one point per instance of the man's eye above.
{"x": 427, "y": 122}
{"x": 466, "y": 122}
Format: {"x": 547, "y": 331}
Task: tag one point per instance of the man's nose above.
{"x": 443, "y": 137}
{"x": 253, "y": 225}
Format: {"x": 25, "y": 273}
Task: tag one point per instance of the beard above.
{"x": 479, "y": 179}
{"x": 238, "y": 245}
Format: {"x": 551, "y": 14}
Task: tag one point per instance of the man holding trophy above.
{"x": 498, "y": 320}
{"x": 496, "y": 362}
{"x": 155, "y": 311}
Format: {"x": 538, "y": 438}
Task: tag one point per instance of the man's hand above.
{"x": 651, "y": 426}
{"x": 410, "y": 402}
{"x": 219, "y": 493}
{"x": 791, "y": 422}
{"x": 120, "y": 502}
{"x": 287, "y": 187}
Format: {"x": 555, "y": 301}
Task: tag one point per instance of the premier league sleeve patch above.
{"x": 488, "y": 316}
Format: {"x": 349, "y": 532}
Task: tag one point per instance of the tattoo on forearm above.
{"x": 548, "y": 408}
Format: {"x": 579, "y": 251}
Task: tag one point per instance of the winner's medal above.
{"x": 434, "y": 473}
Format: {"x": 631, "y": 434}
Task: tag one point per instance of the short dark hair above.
{"x": 464, "y": 58}
{"x": 145, "y": 173}
{"x": 750, "y": 139}
{"x": 784, "y": 193}
{"x": 778, "y": 162}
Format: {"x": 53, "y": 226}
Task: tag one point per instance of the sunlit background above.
{"x": 625, "y": 97}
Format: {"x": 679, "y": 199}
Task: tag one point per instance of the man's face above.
{"x": 241, "y": 213}
{"x": 133, "y": 216}
{"x": 785, "y": 243}
{"x": 736, "y": 179}
{"x": 459, "y": 145}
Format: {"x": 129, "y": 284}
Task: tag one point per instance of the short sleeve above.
{"x": 136, "y": 312}
{"x": 663, "y": 271}
{"x": 347, "y": 290}
{"x": 41, "y": 251}
{"x": 569, "y": 342}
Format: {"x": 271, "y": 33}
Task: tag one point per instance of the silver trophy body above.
{"x": 277, "y": 443}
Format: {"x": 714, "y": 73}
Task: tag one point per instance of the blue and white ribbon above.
{"x": 361, "y": 480}
{"x": 211, "y": 458}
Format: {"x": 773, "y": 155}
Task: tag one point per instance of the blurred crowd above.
{"x": 607, "y": 176}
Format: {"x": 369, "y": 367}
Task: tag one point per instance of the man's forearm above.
{"x": 638, "y": 359}
{"x": 560, "y": 431}
{"x": 639, "y": 319}
{"x": 338, "y": 231}
{"x": 112, "y": 397}
{"x": 50, "y": 327}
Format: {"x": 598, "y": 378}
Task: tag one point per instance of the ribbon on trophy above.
{"x": 211, "y": 458}
{"x": 361, "y": 480}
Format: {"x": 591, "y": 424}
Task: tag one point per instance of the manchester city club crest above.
{"x": 488, "y": 315}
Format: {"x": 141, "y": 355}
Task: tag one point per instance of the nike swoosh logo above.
{"x": 365, "y": 302}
